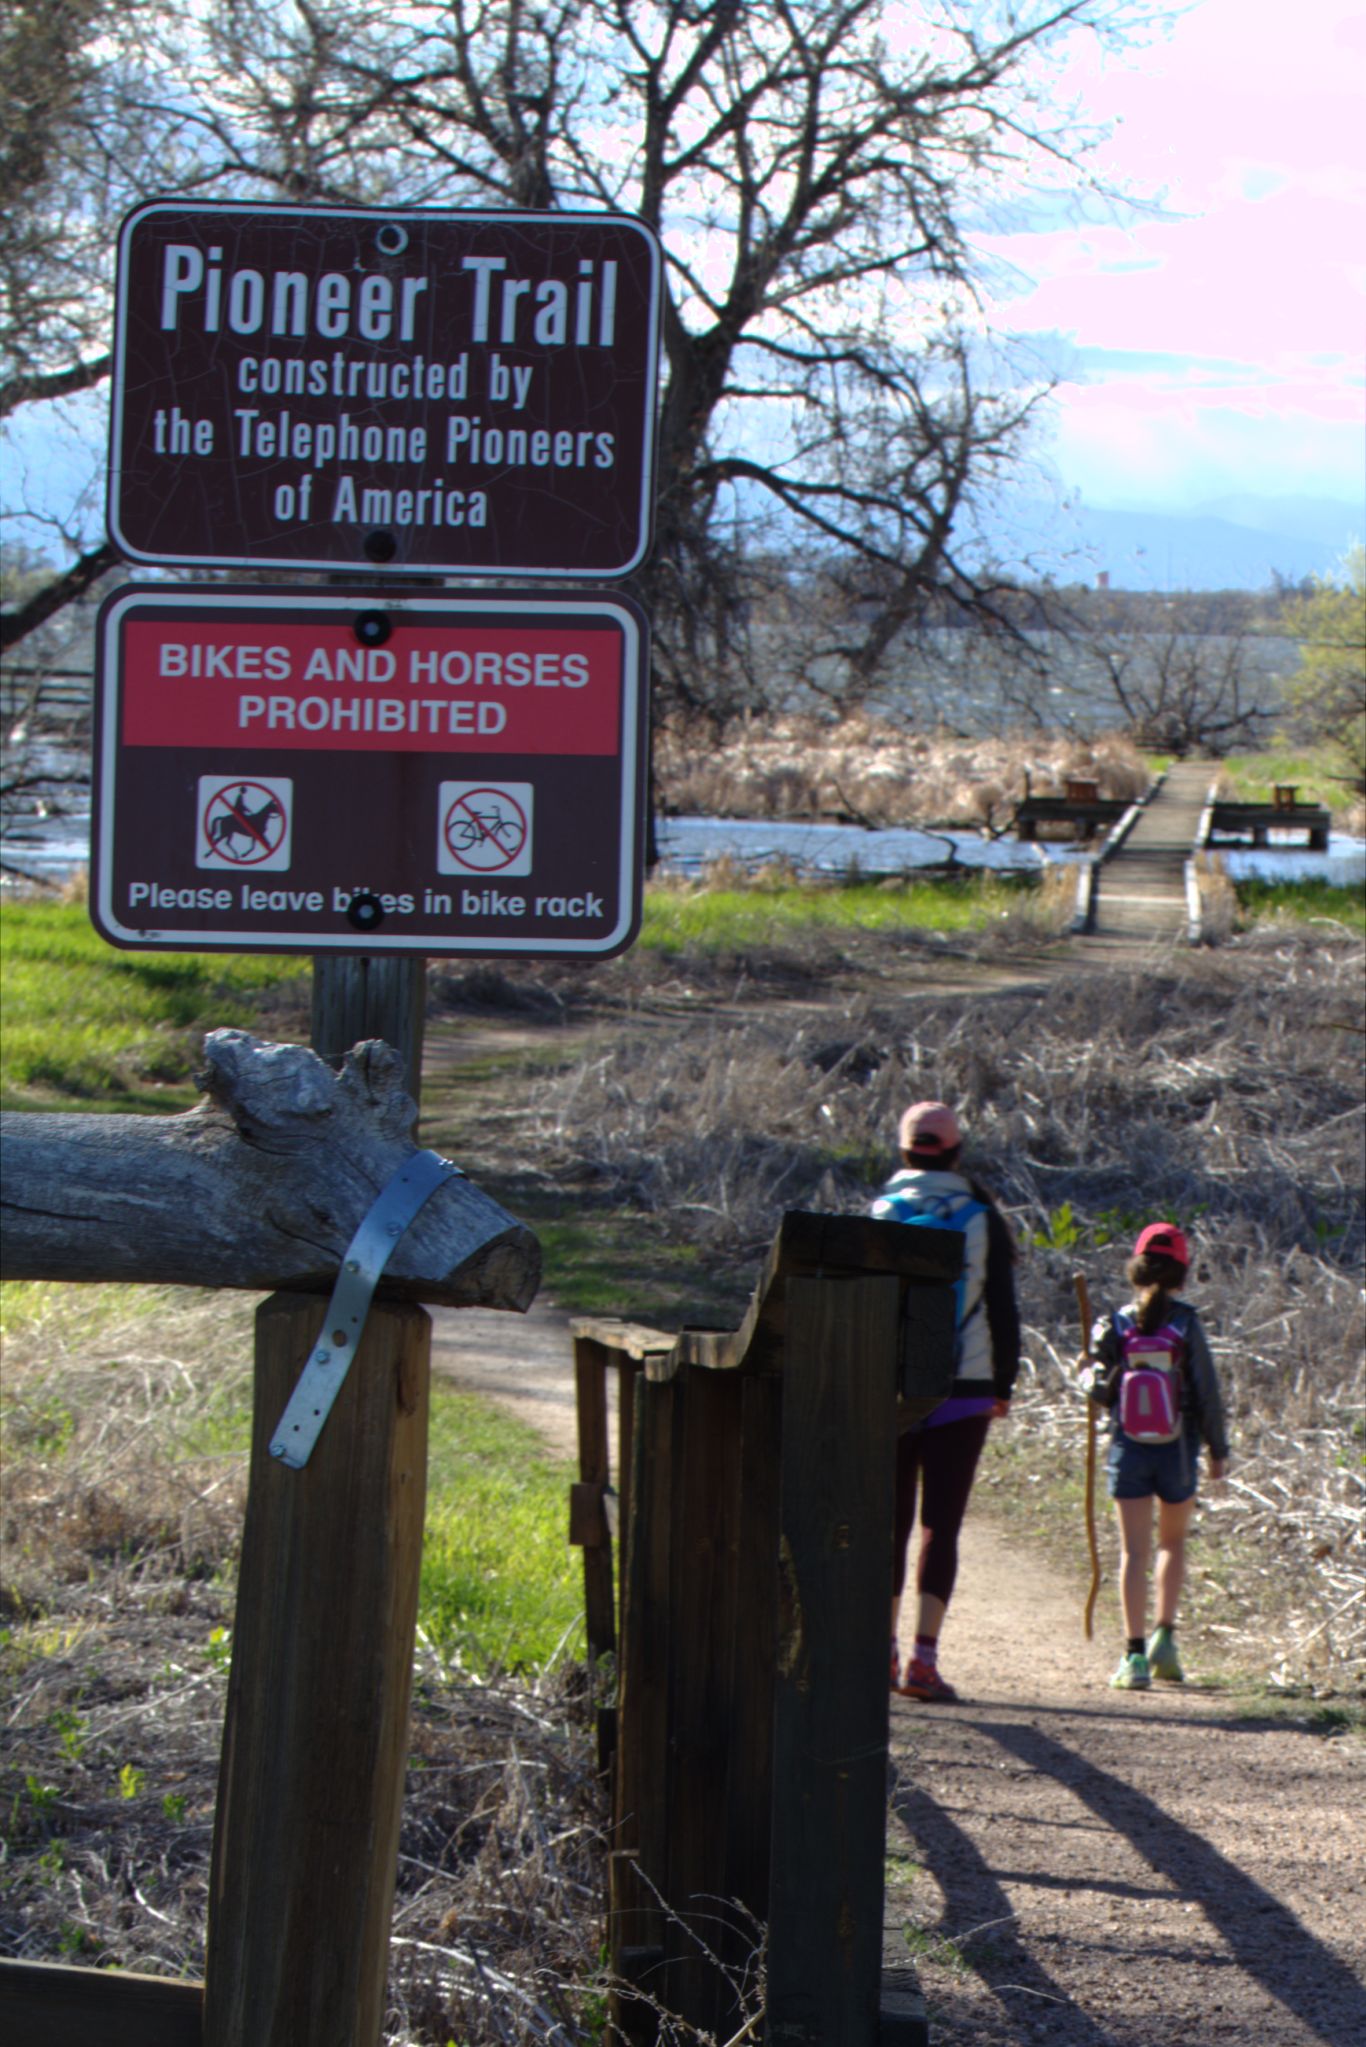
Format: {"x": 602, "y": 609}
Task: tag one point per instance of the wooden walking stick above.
{"x": 1084, "y": 1306}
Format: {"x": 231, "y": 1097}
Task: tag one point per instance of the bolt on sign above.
{"x": 376, "y": 771}
{"x": 432, "y": 391}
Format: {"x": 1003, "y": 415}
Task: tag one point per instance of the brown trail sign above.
{"x": 323, "y": 387}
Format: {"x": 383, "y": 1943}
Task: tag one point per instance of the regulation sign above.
{"x": 368, "y": 771}
{"x": 434, "y": 391}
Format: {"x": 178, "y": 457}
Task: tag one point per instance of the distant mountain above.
{"x": 1234, "y": 543}
{"x": 1323, "y": 521}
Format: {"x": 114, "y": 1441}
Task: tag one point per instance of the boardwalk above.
{"x": 1140, "y": 889}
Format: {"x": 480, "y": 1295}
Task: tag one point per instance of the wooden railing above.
{"x": 1083, "y": 817}
{"x": 737, "y": 1558}
{"x": 264, "y": 1187}
{"x": 1233, "y": 821}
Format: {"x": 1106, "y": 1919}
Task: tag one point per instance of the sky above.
{"x": 1211, "y": 346}
{"x": 1214, "y": 348}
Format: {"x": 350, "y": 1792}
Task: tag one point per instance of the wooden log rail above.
{"x": 264, "y": 1186}
{"x": 749, "y": 1504}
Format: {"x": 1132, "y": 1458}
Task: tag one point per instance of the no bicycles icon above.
{"x": 484, "y": 828}
{"x": 244, "y": 822}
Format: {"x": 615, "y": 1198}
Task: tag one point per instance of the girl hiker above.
{"x": 939, "y": 1455}
{"x": 1153, "y": 1370}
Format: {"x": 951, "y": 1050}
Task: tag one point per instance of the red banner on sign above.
{"x": 308, "y": 770}
{"x": 288, "y": 687}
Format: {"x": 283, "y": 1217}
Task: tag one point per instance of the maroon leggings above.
{"x": 941, "y": 1464}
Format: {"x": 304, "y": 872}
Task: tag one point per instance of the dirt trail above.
{"x": 1108, "y": 1869}
{"x": 1081, "y": 1866}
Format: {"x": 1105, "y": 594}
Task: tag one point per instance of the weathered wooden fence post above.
{"x": 272, "y": 1183}
{"x": 360, "y": 996}
{"x": 316, "y": 1731}
{"x": 756, "y": 1561}
{"x": 830, "y": 1695}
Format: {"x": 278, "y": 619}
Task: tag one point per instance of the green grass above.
{"x": 87, "y": 1023}
{"x": 1302, "y": 902}
{"x": 721, "y": 920}
{"x": 110, "y": 1029}
{"x": 501, "y": 1587}
{"x": 1315, "y": 773}
{"x": 595, "y": 1264}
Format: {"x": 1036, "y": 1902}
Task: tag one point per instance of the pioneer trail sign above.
{"x": 432, "y": 391}
{"x": 368, "y": 771}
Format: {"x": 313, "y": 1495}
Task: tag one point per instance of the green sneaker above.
{"x": 1163, "y": 1660}
{"x": 1132, "y": 1675}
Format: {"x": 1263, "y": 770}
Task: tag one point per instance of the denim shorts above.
{"x": 1138, "y": 1470}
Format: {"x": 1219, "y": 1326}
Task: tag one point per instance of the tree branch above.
{"x": 65, "y": 589}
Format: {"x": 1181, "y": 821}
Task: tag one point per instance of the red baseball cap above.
{"x": 1166, "y": 1239}
{"x": 930, "y": 1126}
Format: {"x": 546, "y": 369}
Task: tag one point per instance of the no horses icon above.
{"x": 245, "y": 822}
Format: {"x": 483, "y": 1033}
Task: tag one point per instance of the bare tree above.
{"x": 814, "y": 169}
{"x": 1183, "y": 673}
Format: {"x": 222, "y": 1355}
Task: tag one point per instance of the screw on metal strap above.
{"x": 369, "y": 1251}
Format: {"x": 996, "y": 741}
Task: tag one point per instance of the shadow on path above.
{"x": 1263, "y": 1937}
{"x": 976, "y": 1902}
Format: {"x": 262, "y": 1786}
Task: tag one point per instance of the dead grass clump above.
{"x": 111, "y": 1749}
{"x": 498, "y": 1914}
{"x": 124, "y": 1426}
{"x": 487, "y": 987}
{"x": 1218, "y": 898}
{"x": 877, "y": 773}
{"x": 1221, "y": 1088}
{"x": 1054, "y": 907}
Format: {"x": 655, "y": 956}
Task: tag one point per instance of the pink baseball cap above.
{"x": 930, "y": 1126}
{"x": 1166, "y": 1239}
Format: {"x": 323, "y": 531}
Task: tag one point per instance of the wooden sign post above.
{"x": 315, "y": 1742}
{"x": 265, "y": 1185}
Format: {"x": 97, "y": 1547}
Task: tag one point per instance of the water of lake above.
{"x": 52, "y": 848}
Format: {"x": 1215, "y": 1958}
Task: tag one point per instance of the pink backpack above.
{"x": 1149, "y": 1406}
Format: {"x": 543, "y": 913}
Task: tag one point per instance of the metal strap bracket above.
{"x": 389, "y": 1216}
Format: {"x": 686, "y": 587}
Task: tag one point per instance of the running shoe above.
{"x": 1132, "y": 1675}
{"x": 1163, "y": 1660}
{"x": 923, "y": 1682}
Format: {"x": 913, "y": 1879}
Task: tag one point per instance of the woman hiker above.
{"x": 938, "y": 1457}
{"x": 1152, "y": 1369}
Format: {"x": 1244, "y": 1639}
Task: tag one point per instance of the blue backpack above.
{"x": 939, "y": 1212}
